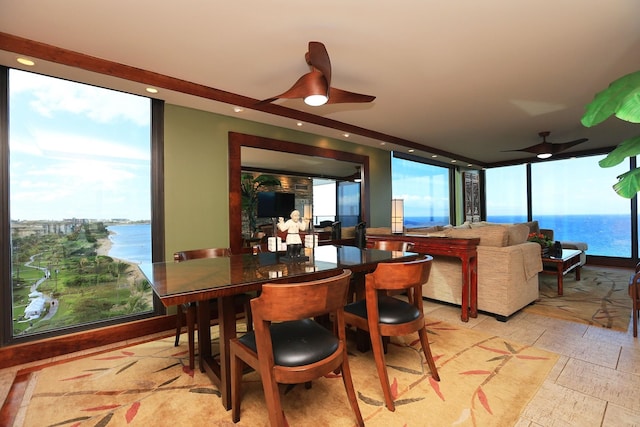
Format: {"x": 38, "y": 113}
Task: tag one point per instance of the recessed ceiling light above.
{"x": 453, "y": 161}
{"x": 411, "y": 150}
{"x": 383, "y": 143}
{"x": 25, "y": 61}
{"x": 151, "y": 90}
{"x": 469, "y": 165}
{"x": 346, "y": 135}
{"x": 299, "y": 124}
{"x": 238, "y": 109}
{"x": 434, "y": 156}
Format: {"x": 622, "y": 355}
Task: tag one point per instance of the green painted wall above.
{"x": 196, "y": 174}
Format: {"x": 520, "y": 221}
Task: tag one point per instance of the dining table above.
{"x": 200, "y": 280}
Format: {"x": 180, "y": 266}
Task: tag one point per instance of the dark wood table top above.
{"x": 203, "y": 279}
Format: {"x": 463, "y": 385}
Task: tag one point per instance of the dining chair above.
{"x": 188, "y": 311}
{"x": 634, "y": 293}
{"x": 288, "y": 347}
{"x": 395, "y": 245}
{"x": 383, "y": 315}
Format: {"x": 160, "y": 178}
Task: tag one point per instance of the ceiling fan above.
{"x": 315, "y": 86}
{"x": 545, "y": 149}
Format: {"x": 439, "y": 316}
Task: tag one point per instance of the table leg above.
{"x": 466, "y": 288}
{"x": 560, "y": 279}
{"x": 473, "y": 309}
{"x": 204, "y": 334}
{"x": 227, "y": 325}
{"x": 218, "y": 372}
{"x": 578, "y": 272}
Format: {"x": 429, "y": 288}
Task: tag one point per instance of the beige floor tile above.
{"x": 604, "y": 383}
{"x": 617, "y": 416}
{"x": 561, "y": 341}
{"x": 517, "y": 329}
{"x": 576, "y": 329}
{"x": 555, "y": 406}
{"x": 613, "y": 337}
{"x": 630, "y": 361}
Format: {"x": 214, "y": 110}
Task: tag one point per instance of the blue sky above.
{"x": 577, "y": 186}
{"x": 77, "y": 151}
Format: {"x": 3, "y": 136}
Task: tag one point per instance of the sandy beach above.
{"x": 134, "y": 274}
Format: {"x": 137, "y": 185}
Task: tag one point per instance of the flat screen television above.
{"x": 273, "y": 204}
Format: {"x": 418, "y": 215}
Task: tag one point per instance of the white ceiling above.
{"x": 463, "y": 77}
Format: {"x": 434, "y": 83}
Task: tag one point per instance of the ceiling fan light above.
{"x": 544, "y": 155}
{"x": 315, "y": 100}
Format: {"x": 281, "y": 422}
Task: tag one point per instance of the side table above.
{"x": 559, "y": 266}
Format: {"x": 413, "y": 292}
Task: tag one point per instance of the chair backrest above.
{"x": 201, "y": 253}
{"x": 401, "y": 275}
{"x": 292, "y": 301}
{"x": 393, "y": 245}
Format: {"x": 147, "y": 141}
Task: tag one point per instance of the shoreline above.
{"x": 104, "y": 247}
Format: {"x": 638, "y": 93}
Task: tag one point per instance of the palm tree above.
{"x": 251, "y": 186}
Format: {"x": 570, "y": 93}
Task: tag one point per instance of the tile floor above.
{"x": 596, "y": 381}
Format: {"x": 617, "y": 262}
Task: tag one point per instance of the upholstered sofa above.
{"x": 508, "y": 267}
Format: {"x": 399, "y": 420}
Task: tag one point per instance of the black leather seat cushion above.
{"x": 297, "y": 343}
{"x": 392, "y": 310}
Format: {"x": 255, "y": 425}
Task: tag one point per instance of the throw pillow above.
{"x": 491, "y": 235}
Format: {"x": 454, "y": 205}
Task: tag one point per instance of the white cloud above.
{"x": 101, "y": 105}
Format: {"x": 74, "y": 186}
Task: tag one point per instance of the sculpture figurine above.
{"x": 293, "y": 226}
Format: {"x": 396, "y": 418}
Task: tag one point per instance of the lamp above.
{"x": 316, "y": 87}
{"x": 397, "y": 216}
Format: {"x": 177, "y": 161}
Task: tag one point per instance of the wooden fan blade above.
{"x": 318, "y": 57}
{"x": 548, "y": 147}
{"x": 557, "y": 148}
{"x": 337, "y": 96}
{"x": 312, "y": 82}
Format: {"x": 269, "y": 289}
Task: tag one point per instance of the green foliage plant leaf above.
{"x": 621, "y": 98}
{"x": 628, "y": 148}
{"x": 628, "y": 183}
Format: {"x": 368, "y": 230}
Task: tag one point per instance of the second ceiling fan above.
{"x": 315, "y": 86}
{"x": 545, "y": 149}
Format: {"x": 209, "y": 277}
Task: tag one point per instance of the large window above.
{"x": 572, "y": 197}
{"x": 506, "y": 194}
{"x": 79, "y": 204}
{"x": 425, "y": 191}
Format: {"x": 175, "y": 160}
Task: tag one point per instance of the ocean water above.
{"x": 131, "y": 242}
{"x": 606, "y": 235}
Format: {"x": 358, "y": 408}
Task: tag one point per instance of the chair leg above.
{"x": 191, "y": 328}
{"x": 237, "y": 367}
{"x": 381, "y": 367}
{"x": 272, "y": 398}
{"x": 424, "y": 340}
{"x": 351, "y": 392}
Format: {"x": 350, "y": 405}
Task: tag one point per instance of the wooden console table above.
{"x": 464, "y": 249}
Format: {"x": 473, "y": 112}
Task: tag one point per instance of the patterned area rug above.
{"x": 600, "y": 298}
{"x": 484, "y": 381}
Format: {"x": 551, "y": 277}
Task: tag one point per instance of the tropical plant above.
{"x": 250, "y": 188}
{"x": 622, "y": 99}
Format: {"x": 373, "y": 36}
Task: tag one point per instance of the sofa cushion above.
{"x": 491, "y": 235}
{"x": 518, "y": 233}
{"x": 534, "y": 227}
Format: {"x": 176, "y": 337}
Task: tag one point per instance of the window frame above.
{"x": 157, "y": 221}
